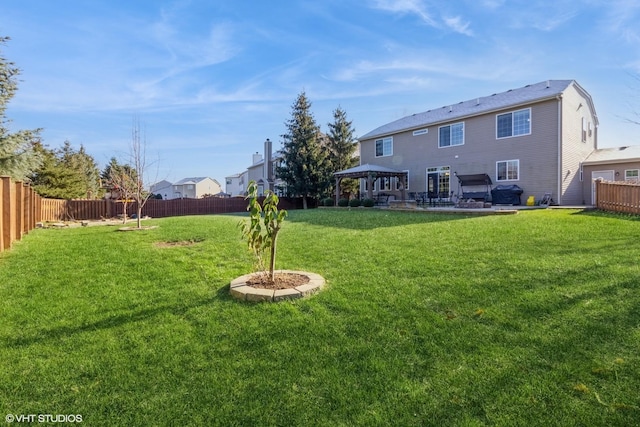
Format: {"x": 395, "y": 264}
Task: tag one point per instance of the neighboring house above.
{"x": 262, "y": 171}
{"x": 536, "y": 137}
{"x": 164, "y": 188}
{"x": 195, "y": 188}
{"x": 610, "y": 164}
{"x": 236, "y": 185}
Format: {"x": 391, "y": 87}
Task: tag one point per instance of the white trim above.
{"x": 420, "y": 132}
{"x": 595, "y": 175}
{"x": 450, "y": 138}
{"x": 382, "y": 141}
{"x": 512, "y": 123}
{"x": 507, "y": 171}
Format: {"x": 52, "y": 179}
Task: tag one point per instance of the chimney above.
{"x": 268, "y": 164}
{"x": 256, "y": 157}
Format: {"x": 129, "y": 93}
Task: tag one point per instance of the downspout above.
{"x": 559, "y": 176}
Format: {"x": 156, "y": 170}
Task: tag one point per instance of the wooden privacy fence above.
{"x": 618, "y": 196}
{"x": 78, "y": 210}
{"x": 19, "y": 211}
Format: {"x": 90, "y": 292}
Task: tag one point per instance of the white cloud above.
{"x": 415, "y": 7}
{"x": 420, "y": 9}
{"x": 458, "y": 26}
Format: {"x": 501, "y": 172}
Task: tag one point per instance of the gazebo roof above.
{"x": 365, "y": 170}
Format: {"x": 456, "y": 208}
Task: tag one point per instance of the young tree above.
{"x": 342, "y": 149}
{"x": 129, "y": 180}
{"x": 304, "y": 167}
{"x": 119, "y": 180}
{"x": 140, "y": 164}
{"x": 17, "y": 155}
{"x": 261, "y": 231}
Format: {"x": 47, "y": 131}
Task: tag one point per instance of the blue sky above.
{"x": 210, "y": 80}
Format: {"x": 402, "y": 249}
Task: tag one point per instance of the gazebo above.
{"x": 371, "y": 173}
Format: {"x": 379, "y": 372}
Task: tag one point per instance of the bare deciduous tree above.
{"x": 140, "y": 164}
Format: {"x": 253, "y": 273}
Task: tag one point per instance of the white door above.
{"x": 605, "y": 176}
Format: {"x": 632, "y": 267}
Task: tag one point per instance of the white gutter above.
{"x": 559, "y": 98}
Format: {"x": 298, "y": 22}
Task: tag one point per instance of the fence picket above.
{"x": 618, "y": 196}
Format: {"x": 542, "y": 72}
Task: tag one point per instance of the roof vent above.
{"x": 548, "y": 84}
{"x": 450, "y": 108}
{"x": 477, "y": 101}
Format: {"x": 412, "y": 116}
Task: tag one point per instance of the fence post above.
{"x": 2, "y": 207}
{"x": 26, "y": 208}
{"x": 19, "y": 209}
{"x": 8, "y": 218}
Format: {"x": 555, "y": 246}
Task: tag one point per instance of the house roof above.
{"x": 190, "y": 180}
{"x": 514, "y": 97}
{"x": 364, "y": 170}
{"x": 614, "y": 155}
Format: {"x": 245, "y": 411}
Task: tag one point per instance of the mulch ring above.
{"x": 281, "y": 281}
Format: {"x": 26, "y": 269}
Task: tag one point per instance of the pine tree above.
{"x": 66, "y": 173}
{"x": 17, "y": 155}
{"x": 342, "y": 148}
{"x": 304, "y": 167}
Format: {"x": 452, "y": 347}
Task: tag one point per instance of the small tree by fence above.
{"x": 618, "y": 197}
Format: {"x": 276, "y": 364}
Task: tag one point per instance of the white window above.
{"x": 584, "y": 130}
{"x": 384, "y": 147}
{"x": 513, "y": 124}
{"x": 508, "y": 170}
{"x": 451, "y": 135}
{"x": 632, "y": 175}
{"x": 420, "y": 132}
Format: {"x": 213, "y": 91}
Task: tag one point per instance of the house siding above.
{"x": 574, "y": 150}
{"x": 549, "y": 156}
{"x": 480, "y": 151}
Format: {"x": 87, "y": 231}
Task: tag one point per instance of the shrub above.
{"x": 343, "y": 202}
{"x": 354, "y": 203}
{"x": 262, "y": 227}
{"x": 327, "y": 202}
{"x": 368, "y": 203}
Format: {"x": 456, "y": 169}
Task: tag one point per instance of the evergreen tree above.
{"x": 304, "y": 168}
{"x": 342, "y": 149}
{"x": 18, "y": 158}
{"x": 66, "y": 173}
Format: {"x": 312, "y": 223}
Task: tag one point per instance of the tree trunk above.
{"x": 124, "y": 212}
{"x": 139, "y": 216}
{"x": 304, "y": 202}
{"x": 272, "y": 261}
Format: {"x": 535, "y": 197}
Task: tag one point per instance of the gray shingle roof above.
{"x": 363, "y": 169}
{"x": 190, "y": 180}
{"x": 534, "y": 92}
{"x": 614, "y": 155}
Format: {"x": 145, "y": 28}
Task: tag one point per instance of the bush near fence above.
{"x": 618, "y": 196}
{"x": 21, "y": 209}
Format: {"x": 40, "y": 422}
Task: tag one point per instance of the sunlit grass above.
{"x": 530, "y": 319}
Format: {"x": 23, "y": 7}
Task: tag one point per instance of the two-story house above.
{"x": 263, "y": 170}
{"x": 535, "y": 137}
{"x": 236, "y": 184}
{"x": 195, "y": 188}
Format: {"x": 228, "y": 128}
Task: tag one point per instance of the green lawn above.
{"x": 427, "y": 319}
